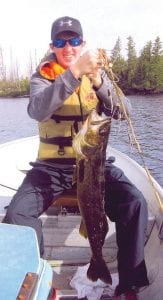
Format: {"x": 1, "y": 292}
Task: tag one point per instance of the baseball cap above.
{"x": 65, "y": 24}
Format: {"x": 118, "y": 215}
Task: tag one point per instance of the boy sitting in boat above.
{"x": 64, "y": 89}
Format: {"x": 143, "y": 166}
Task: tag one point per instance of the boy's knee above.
{"x": 11, "y": 216}
{"x": 138, "y": 208}
{"x": 140, "y": 202}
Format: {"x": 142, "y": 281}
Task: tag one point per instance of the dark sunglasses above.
{"x": 74, "y": 42}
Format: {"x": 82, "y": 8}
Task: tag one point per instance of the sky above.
{"x": 25, "y": 25}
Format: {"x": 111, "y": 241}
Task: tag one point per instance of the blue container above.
{"x": 19, "y": 255}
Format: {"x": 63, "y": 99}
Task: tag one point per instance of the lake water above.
{"x": 147, "y": 121}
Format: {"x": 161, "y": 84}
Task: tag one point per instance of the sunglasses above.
{"x": 74, "y": 42}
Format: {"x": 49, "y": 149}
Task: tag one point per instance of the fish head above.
{"x": 97, "y": 129}
{"x": 93, "y": 134}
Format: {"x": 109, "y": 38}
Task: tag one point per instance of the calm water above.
{"x": 147, "y": 120}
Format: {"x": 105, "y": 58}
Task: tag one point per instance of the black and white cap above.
{"x": 65, "y": 24}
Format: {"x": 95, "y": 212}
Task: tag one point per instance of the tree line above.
{"x": 141, "y": 73}
{"x": 12, "y": 82}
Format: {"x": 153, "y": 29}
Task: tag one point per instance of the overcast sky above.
{"x": 25, "y": 24}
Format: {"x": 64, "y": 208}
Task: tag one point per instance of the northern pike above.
{"x": 90, "y": 146}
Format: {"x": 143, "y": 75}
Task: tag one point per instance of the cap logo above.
{"x": 69, "y": 23}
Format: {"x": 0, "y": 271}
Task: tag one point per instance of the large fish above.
{"x": 90, "y": 146}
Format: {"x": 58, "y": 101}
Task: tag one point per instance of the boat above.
{"x": 65, "y": 250}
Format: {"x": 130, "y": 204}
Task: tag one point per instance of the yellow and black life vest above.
{"x": 56, "y": 133}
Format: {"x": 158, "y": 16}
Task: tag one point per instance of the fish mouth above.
{"x": 100, "y": 122}
{"x": 94, "y": 118}
{"x": 95, "y": 121}
{"x": 88, "y": 136}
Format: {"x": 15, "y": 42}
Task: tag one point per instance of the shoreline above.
{"x": 127, "y": 93}
{"x": 13, "y": 96}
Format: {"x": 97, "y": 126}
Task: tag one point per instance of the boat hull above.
{"x": 65, "y": 249}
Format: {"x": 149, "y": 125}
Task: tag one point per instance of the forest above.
{"x": 142, "y": 74}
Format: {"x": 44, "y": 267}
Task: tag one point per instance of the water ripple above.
{"x": 147, "y": 120}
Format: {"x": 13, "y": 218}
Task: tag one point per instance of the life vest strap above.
{"x": 63, "y": 161}
{"x": 58, "y": 140}
{"x": 59, "y": 118}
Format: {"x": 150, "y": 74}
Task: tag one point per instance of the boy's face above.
{"x": 67, "y": 54}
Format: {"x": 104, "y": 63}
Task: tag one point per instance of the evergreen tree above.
{"x": 119, "y": 64}
{"x": 143, "y": 72}
{"x": 131, "y": 61}
{"x": 116, "y": 51}
{"x": 157, "y": 49}
{"x": 149, "y": 74}
{"x": 157, "y": 65}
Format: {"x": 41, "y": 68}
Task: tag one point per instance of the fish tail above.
{"x": 99, "y": 270}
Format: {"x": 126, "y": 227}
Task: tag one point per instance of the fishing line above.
{"x": 8, "y": 187}
{"x": 114, "y": 79}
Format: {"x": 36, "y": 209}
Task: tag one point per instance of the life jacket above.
{"x": 56, "y": 133}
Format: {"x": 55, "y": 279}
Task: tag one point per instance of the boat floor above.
{"x": 66, "y": 250}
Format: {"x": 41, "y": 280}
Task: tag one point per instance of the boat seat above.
{"x": 66, "y": 202}
{"x": 68, "y": 198}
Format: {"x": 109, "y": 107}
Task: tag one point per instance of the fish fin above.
{"x": 99, "y": 270}
{"x": 82, "y": 230}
